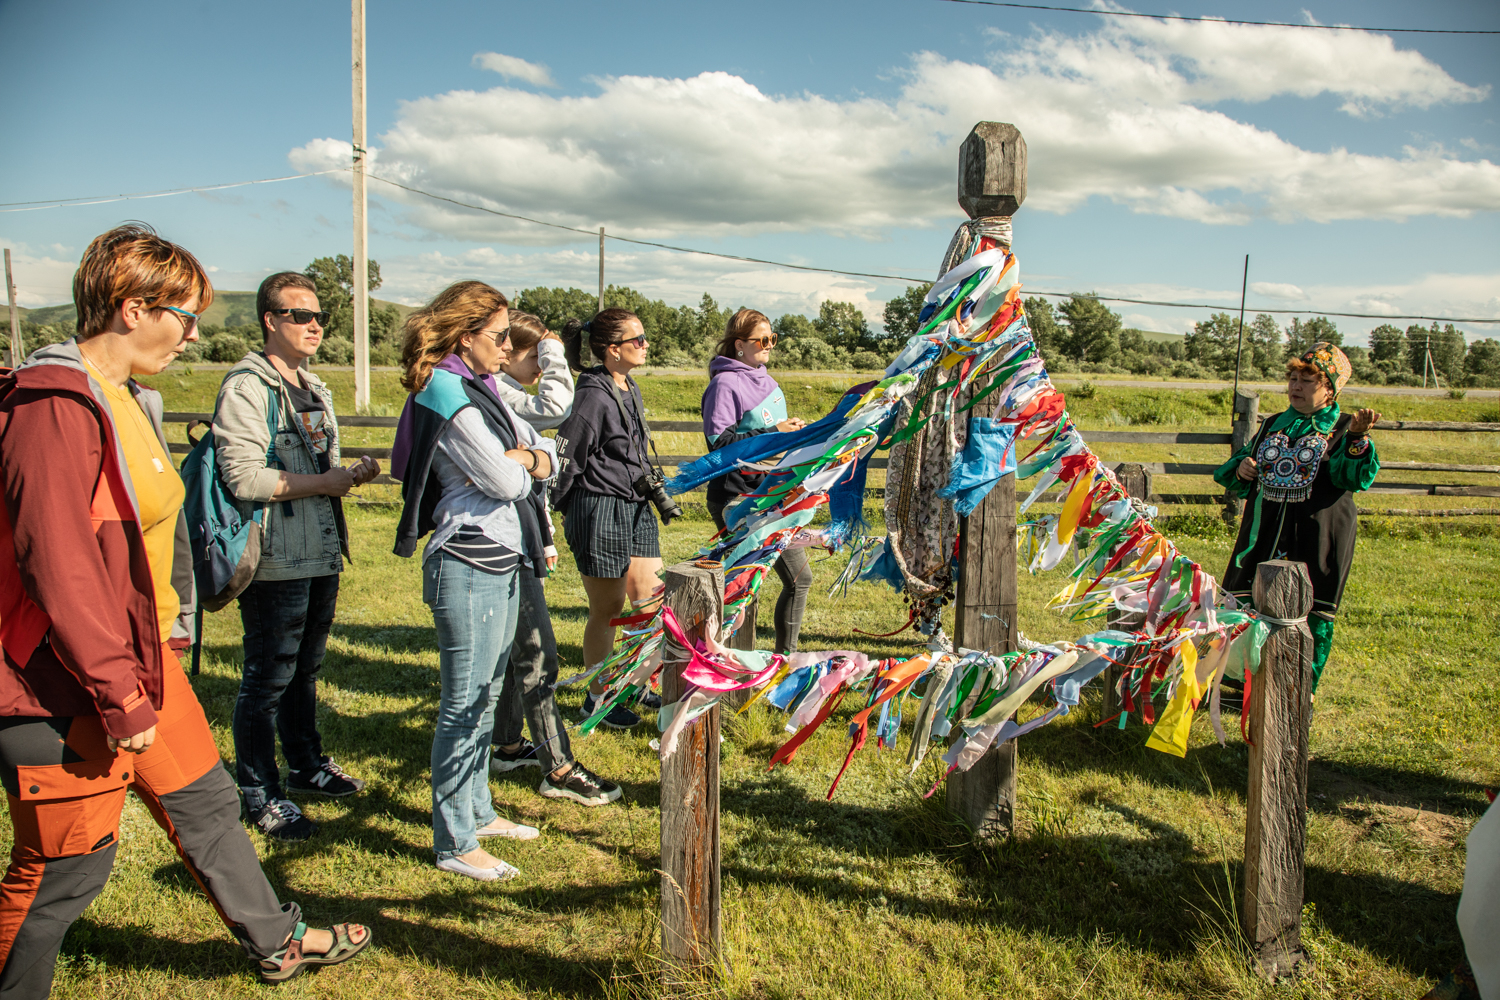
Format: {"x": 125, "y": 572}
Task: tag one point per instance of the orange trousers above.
{"x": 66, "y": 789}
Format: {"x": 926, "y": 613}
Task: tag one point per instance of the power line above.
{"x": 26, "y": 206}
{"x": 34, "y": 206}
{"x": 1225, "y": 20}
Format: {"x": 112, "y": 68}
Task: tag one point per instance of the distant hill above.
{"x": 229, "y": 309}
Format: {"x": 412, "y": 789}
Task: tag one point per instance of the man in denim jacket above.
{"x": 288, "y": 609}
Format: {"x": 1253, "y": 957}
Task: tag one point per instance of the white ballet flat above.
{"x": 519, "y": 831}
{"x": 500, "y": 873}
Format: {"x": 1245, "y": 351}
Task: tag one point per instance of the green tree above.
{"x": 1093, "y": 330}
{"x": 555, "y": 306}
{"x": 1300, "y": 336}
{"x": 802, "y": 347}
{"x": 1482, "y": 363}
{"x": 840, "y": 324}
{"x": 334, "y": 278}
{"x": 1388, "y": 348}
{"x": 1045, "y": 329}
{"x": 1214, "y": 342}
{"x": 1263, "y": 352}
{"x": 901, "y": 315}
{"x": 1447, "y": 347}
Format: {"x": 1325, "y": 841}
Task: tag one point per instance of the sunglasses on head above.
{"x": 304, "y": 316}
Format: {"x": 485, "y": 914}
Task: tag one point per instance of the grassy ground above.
{"x": 1120, "y": 882}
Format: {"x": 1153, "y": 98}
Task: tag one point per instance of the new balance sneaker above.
{"x": 619, "y": 717}
{"x": 282, "y": 820}
{"x": 580, "y": 785}
{"x": 524, "y": 756}
{"x": 326, "y": 779}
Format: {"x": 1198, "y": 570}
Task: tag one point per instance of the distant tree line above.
{"x": 1080, "y": 333}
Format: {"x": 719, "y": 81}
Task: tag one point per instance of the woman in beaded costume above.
{"x": 1298, "y": 476}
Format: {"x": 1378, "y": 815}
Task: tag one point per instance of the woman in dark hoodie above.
{"x": 608, "y": 522}
{"x": 742, "y": 400}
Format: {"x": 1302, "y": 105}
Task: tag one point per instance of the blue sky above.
{"x": 1358, "y": 170}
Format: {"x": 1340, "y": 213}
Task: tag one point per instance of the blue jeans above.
{"x": 286, "y": 632}
{"x": 475, "y": 613}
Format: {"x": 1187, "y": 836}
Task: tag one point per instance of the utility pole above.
{"x": 1239, "y": 348}
{"x": 16, "y": 356}
{"x": 601, "y": 270}
{"x": 361, "y": 224}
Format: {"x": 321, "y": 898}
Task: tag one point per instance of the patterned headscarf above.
{"x": 1332, "y": 362}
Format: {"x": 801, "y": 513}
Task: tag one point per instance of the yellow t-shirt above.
{"x": 158, "y": 495}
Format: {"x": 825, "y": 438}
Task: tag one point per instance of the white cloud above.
{"x": 1278, "y": 290}
{"x": 1125, "y": 113}
{"x": 43, "y": 275}
{"x": 514, "y": 68}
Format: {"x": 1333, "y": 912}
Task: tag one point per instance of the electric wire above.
{"x": 26, "y": 206}
{"x": 1225, "y": 20}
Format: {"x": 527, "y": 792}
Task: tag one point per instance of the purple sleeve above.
{"x": 721, "y": 408}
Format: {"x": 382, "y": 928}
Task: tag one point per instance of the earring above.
{"x": 739, "y": 354}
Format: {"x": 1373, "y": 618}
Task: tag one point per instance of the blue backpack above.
{"x": 226, "y": 546}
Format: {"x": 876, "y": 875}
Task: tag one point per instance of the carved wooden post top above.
{"x": 992, "y": 170}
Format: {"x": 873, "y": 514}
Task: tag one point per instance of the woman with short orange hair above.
{"x": 96, "y": 596}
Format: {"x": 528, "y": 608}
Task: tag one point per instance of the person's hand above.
{"x": 337, "y": 481}
{"x": 1362, "y": 422}
{"x": 527, "y": 459}
{"x": 364, "y": 470}
{"x": 791, "y": 424}
{"x": 551, "y": 563}
{"x": 1247, "y": 470}
{"x": 552, "y": 336}
{"x": 139, "y": 743}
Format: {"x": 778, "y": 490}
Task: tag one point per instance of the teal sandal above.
{"x": 290, "y": 961}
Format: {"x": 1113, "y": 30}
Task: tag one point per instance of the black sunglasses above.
{"x": 304, "y": 316}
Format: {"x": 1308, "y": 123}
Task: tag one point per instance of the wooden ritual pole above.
{"x": 690, "y": 926}
{"x": 1136, "y": 481}
{"x": 1280, "y": 707}
{"x": 991, "y": 184}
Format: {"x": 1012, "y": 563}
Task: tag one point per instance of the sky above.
{"x": 1360, "y": 171}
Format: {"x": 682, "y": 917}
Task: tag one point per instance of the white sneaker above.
{"x": 500, "y": 873}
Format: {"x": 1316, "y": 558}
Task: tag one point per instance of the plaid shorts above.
{"x": 605, "y": 532}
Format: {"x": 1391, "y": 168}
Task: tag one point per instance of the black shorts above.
{"x": 606, "y": 532}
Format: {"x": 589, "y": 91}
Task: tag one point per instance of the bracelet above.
{"x": 534, "y": 460}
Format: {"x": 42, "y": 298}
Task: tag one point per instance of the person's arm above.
{"x": 554, "y": 393}
{"x": 1354, "y": 463}
{"x": 1231, "y": 476}
{"x": 470, "y": 445}
{"x": 243, "y": 439}
{"x": 576, "y": 440}
{"x": 51, "y": 463}
{"x": 545, "y": 468}
{"x": 722, "y": 413}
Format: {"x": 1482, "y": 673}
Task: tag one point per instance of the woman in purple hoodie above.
{"x": 742, "y": 400}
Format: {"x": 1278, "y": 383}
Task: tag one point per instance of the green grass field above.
{"x": 1121, "y": 880}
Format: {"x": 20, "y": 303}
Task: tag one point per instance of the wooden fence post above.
{"x": 690, "y": 927}
{"x": 744, "y": 638}
{"x": 1244, "y": 424}
{"x": 1136, "y": 480}
{"x": 991, "y": 183}
{"x": 1276, "y": 812}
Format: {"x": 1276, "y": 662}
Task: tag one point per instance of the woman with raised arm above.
{"x": 531, "y": 672}
{"x": 1298, "y": 476}
{"x": 607, "y": 518}
{"x": 743, "y": 400}
{"x": 96, "y": 583}
{"x": 467, "y": 467}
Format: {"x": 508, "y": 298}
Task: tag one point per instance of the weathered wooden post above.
{"x": 1280, "y": 706}
{"x": 991, "y": 187}
{"x": 690, "y": 926}
{"x": 744, "y": 638}
{"x": 1136, "y": 481}
{"x": 1244, "y": 424}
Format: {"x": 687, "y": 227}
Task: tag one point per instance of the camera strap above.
{"x": 641, "y": 419}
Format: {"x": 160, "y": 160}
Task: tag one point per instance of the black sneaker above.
{"x": 619, "y": 717}
{"x": 326, "y": 779}
{"x": 524, "y": 756}
{"x": 582, "y": 786}
{"x": 282, "y": 820}
{"x": 650, "y": 699}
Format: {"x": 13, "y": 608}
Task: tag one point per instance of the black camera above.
{"x": 653, "y": 486}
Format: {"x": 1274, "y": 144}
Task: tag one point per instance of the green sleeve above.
{"x": 1354, "y": 464}
{"x": 1225, "y": 476}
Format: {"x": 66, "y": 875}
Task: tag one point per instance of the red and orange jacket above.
{"x": 78, "y": 624}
